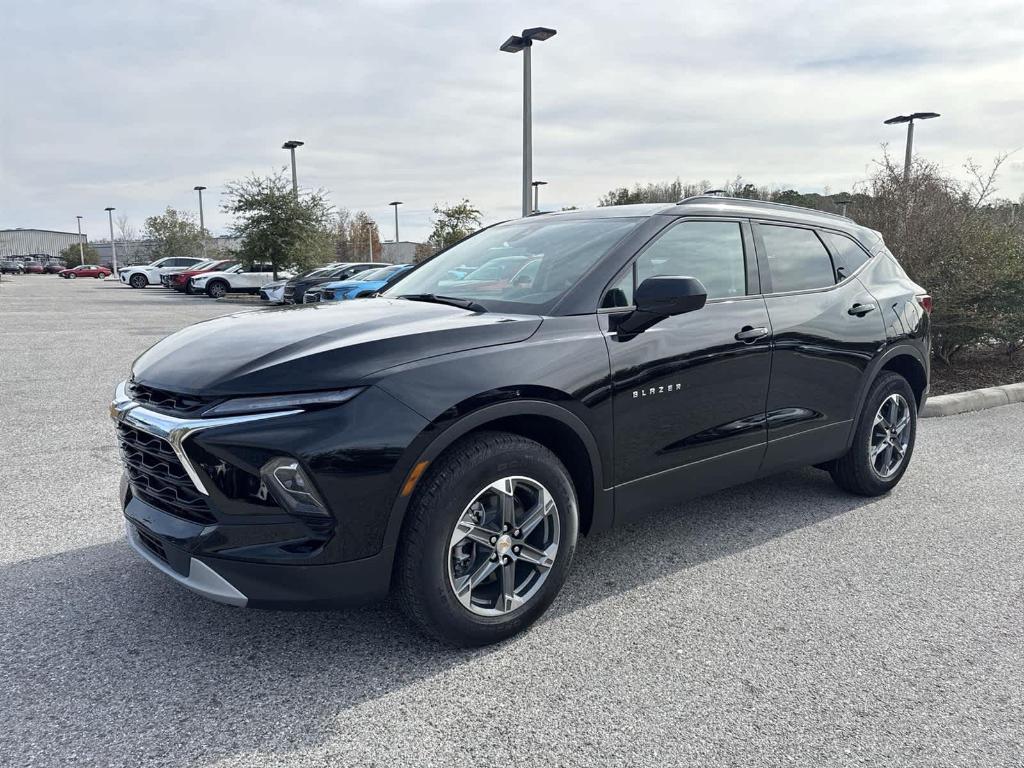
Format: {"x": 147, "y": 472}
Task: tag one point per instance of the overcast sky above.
{"x": 133, "y": 103}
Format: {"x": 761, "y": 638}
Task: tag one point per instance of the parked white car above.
{"x": 238, "y": 279}
{"x": 149, "y": 274}
{"x": 273, "y": 292}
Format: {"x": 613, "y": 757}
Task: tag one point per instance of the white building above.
{"x": 402, "y": 252}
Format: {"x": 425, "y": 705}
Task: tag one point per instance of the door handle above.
{"x": 749, "y": 334}
{"x": 860, "y": 309}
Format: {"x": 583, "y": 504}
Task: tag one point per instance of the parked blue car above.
{"x": 364, "y": 284}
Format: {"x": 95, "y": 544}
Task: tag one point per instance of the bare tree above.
{"x": 128, "y": 236}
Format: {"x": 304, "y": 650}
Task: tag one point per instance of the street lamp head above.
{"x": 908, "y": 118}
{"x": 395, "y": 202}
{"x": 78, "y": 217}
{"x": 516, "y": 43}
{"x": 538, "y": 33}
{"x": 842, "y": 201}
{"x": 537, "y": 183}
{"x": 292, "y": 144}
{"x": 513, "y": 45}
{"x": 111, "y": 208}
{"x": 198, "y": 188}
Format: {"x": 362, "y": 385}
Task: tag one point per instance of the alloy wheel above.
{"x": 890, "y": 436}
{"x": 503, "y": 546}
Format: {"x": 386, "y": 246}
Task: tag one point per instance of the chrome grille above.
{"x": 157, "y": 476}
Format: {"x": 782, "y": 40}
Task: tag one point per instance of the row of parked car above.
{"x": 29, "y": 265}
{"x": 219, "y": 277}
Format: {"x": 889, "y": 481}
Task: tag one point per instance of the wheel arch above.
{"x": 904, "y": 359}
{"x": 910, "y": 368}
{"x": 549, "y": 424}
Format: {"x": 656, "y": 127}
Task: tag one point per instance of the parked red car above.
{"x": 33, "y": 268}
{"x": 179, "y": 280}
{"x": 53, "y": 268}
{"x": 86, "y": 270}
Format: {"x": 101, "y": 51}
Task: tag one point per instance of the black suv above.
{"x": 451, "y": 438}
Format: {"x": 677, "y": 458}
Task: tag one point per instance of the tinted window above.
{"x": 797, "y": 259}
{"x": 848, "y": 255}
{"x": 620, "y": 294}
{"x": 711, "y": 251}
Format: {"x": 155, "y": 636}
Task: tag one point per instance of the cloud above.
{"x": 132, "y": 104}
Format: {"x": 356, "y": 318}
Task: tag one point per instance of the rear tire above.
{"x": 884, "y": 440}
{"x": 515, "y": 507}
{"x": 138, "y": 280}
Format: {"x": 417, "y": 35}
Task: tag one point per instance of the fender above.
{"x": 871, "y": 374}
{"x": 603, "y": 508}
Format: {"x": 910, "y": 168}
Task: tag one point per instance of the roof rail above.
{"x": 749, "y": 201}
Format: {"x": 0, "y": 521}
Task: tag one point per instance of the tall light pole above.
{"x": 292, "y": 145}
{"x": 369, "y": 237}
{"x": 536, "y": 197}
{"x": 843, "y": 202}
{"x": 396, "y": 203}
{"x": 202, "y": 222}
{"x": 524, "y": 43}
{"x": 81, "y": 248}
{"x": 909, "y": 120}
{"x": 113, "y": 245}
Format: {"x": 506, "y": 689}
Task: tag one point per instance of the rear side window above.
{"x": 797, "y": 259}
{"x": 848, "y": 255}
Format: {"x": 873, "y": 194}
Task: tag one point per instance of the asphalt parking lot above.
{"x": 779, "y": 623}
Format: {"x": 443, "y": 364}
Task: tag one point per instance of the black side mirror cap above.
{"x": 659, "y": 297}
{"x": 669, "y": 295}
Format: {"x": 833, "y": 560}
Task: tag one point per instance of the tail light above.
{"x": 926, "y": 302}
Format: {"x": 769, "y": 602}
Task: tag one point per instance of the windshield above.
{"x": 530, "y": 262}
{"x": 378, "y": 274}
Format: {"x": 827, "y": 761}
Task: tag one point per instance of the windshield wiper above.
{"x": 451, "y": 301}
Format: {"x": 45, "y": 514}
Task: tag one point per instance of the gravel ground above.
{"x": 779, "y": 623}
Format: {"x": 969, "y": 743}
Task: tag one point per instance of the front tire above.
{"x": 138, "y": 281}
{"x": 488, "y": 539}
{"x": 217, "y": 289}
{"x": 72, "y": 276}
{"x": 884, "y": 440}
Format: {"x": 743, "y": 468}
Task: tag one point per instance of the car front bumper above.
{"x": 155, "y": 536}
{"x": 234, "y": 552}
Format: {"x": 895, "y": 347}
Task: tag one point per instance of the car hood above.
{"x": 318, "y": 346}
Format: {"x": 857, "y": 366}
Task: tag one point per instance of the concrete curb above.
{"x": 241, "y": 298}
{"x": 974, "y": 400}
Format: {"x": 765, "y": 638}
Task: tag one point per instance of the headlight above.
{"x": 244, "y": 405}
{"x": 291, "y": 486}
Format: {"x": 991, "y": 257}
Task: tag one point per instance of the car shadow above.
{"x": 104, "y": 656}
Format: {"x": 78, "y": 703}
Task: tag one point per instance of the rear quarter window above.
{"x": 848, "y": 255}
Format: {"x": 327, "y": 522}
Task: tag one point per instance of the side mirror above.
{"x": 659, "y": 297}
{"x": 670, "y": 295}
